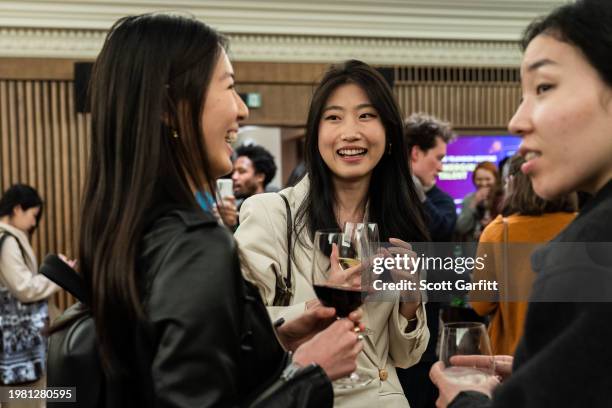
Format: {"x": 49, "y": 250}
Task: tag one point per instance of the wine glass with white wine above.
{"x": 469, "y": 339}
{"x": 365, "y": 235}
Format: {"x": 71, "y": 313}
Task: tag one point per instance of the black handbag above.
{"x": 73, "y": 349}
{"x": 23, "y": 346}
{"x": 283, "y": 291}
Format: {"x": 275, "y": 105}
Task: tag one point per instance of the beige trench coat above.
{"x": 262, "y": 238}
{"x": 20, "y": 275}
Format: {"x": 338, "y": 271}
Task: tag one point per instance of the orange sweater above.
{"x": 508, "y": 317}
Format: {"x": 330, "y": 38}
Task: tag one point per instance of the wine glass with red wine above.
{"x": 336, "y": 277}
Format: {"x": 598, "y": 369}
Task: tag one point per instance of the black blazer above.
{"x": 207, "y": 340}
{"x": 564, "y": 357}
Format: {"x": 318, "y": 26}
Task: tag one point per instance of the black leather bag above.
{"x": 73, "y": 359}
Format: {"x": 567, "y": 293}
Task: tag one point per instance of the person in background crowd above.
{"x": 426, "y": 140}
{"x": 564, "y": 118}
{"x": 481, "y": 207}
{"x": 254, "y": 169}
{"x": 22, "y": 290}
{"x": 357, "y": 171}
{"x": 525, "y": 218}
{"x": 176, "y": 323}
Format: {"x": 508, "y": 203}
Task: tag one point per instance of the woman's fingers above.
{"x": 478, "y": 361}
{"x": 398, "y": 242}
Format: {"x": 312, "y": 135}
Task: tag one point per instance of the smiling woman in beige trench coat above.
{"x": 355, "y": 142}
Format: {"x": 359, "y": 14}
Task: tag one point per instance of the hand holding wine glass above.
{"x": 315, "y": 319}
{"x": 466, "y": 339}
{"x": 466, "y": 362}
{"x": 344, "y": 271}
{"x": 502, "y": 363}
{"x": 336, "y": 278}
{"x": 403, "y": 249}
{"x": 449, "y": 389}
{"x": 336, "y": 272}
{"x": 334, "y": 349}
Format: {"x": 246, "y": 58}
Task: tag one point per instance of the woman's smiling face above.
{"x": 222, "y": 113}
{"x": 351, "y": 135}
{"x": 565, "y": 120}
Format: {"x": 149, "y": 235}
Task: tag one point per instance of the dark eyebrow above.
{"x": 332, "y": 107}
{"x": 540, "y": 63}
{"x": 335, "y": 107}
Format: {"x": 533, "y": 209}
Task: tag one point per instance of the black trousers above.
{"x": 418, "y": 388}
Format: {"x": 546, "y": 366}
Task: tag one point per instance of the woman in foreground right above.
{"x": 565, "y": 120}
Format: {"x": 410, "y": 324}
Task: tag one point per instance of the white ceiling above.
{"x": 431, "y": 32}
{"x": 497, "y": 20}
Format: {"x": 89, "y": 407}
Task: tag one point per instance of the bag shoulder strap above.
{"x": 63, "y": 275}
{"x": 2, "y": 238}
{"x": 5, "y": 235}
{"x": 289, "y": 235}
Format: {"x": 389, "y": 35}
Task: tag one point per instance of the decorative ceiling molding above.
{"x": 478, "y": 20}
{"x": 85, "y": 44}
{"x": 379, "y": 51}
{"x": 415, "y": 32}
{"x": 50, "y": 43}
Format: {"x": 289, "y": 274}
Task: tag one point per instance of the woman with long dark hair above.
{"x": 175, "y": 322}
{"x": 357, "y": 170}
{"x": 565, "y": 121}
{"x": 24, "y": 293}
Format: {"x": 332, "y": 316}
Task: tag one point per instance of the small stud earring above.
{"x": 175, "y": 134}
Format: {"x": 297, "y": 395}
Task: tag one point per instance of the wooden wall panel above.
{"x": 282, "y": 105}
{"x": 468, "y": 106}
{"x": 278, "y": 73}
{"x": 472, "y": 99}
{"x": 42, "y": 145}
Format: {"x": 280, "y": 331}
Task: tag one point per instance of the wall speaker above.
{"x": 82, "y": 75}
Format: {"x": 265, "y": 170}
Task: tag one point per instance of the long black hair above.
{"x": 393, "y": 201}
{"x": 148, "y": 89}
{"x": 585, "y": 24}
{"x": 23, "y": 196}
{"x": 521, "y": 199}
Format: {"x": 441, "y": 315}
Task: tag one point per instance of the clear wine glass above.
{"x": 336, "y": 278}
{"x": 367, "y": 236}
{"x": 468, "y": 339}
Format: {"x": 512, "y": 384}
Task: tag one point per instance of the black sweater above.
{"x": 565, "y": 356}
